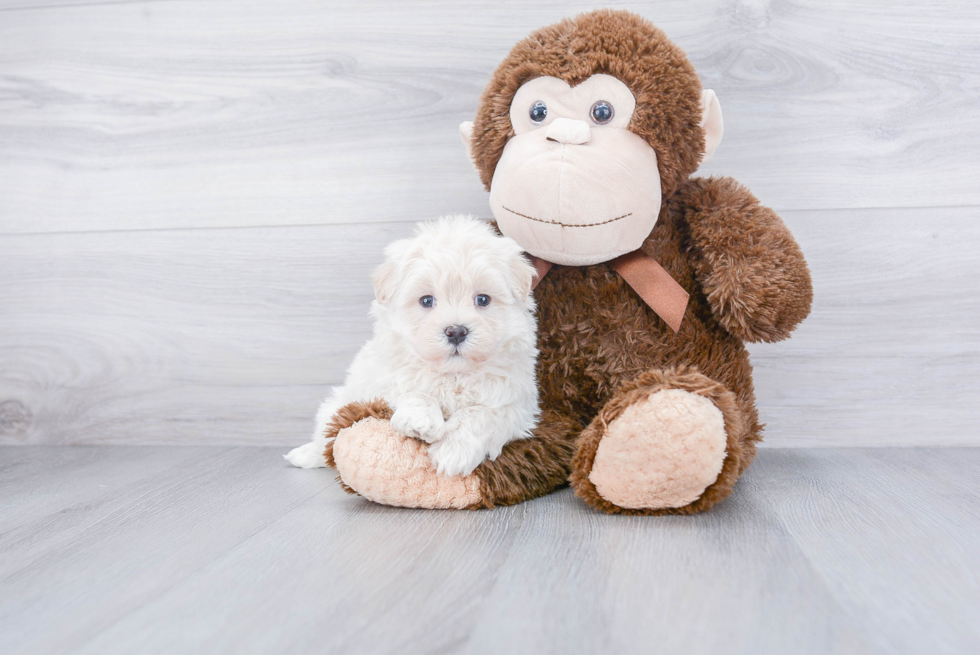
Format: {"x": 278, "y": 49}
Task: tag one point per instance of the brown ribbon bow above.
{"x": 648, "y": 278}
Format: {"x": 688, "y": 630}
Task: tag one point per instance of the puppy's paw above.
{"x": 419, "y": 421}
{"x": 308, "y": 456}
{"x": 456, "y": 456}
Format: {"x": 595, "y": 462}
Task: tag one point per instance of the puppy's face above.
{"x": 456, "y": 292}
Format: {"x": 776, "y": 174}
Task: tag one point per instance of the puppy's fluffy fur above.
{"x": 468, "y": 399}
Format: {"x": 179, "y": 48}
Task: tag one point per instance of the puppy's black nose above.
{"x": 456, "y": 334}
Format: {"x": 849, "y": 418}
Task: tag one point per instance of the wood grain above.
{"x": 213, "y": 550}
{"x": 886, "y": 496}
{"x": 231, "y": 336}
{"x": 201, "y": 336}
{"x": 139, "y": 115}
{"x": 192, "y": 195}
{"x": 890, "y": 352}
{"x": 304, "y": 136}
{"x": 149, "y": 518}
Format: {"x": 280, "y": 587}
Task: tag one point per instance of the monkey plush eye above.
{"x": 427, "y": 301}
{"x": 538, "y": 112}
{"x": 482, "y": 300}
{"x": 602, "y": 112}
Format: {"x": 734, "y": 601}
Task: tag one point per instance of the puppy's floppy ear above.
{"x": 386, "y": 276}
{"x": 522, "y": 273}
{"x": 384, "y": 281}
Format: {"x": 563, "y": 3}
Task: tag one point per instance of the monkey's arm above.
{"x": 748, "y": 263}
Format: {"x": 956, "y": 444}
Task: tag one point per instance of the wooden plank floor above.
{"x": 209, "y": 549}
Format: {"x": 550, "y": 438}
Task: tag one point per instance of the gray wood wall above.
{"x": 192, "y": 195}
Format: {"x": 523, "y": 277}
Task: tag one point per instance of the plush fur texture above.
{"x": 602, "y": 350}
{"x": 739, "y": 447}
{"x": 408, "y": 480}
{"x": 661, "y": 452}
{"x": 347, "y": 416}
{"x": 529, "y": 466}
{"x": 466, "y": 398}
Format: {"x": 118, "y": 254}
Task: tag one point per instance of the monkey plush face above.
{"x": 574, "y": 185}
{"x": 580, "y": 136}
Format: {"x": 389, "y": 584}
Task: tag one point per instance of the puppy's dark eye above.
{"x": 602, "y": 112}
{"x": 427, "y": 301}
{"x": 539, "y": 111}
{"x": 482, "y": 300}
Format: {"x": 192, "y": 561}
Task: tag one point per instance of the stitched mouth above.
{"x": 531, "y": 218}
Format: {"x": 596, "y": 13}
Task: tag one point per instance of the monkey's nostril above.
{"x": 568, "y": 131}
{"x": 456, "y": 334}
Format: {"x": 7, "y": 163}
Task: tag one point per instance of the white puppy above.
{"x": 453, "y": 349}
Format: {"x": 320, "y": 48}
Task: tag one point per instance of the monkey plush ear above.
{"x": 466, "y": 134}
{"x": 711, "y": 122}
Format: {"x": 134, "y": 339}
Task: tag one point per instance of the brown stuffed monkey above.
{"x": 650, "y": 281}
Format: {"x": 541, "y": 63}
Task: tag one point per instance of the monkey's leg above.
{"x": 669, "y": 442}
{"x": 385, "y": 467}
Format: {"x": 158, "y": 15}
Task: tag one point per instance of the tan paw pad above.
{"x": 661, "y": 452}
{"x": 391, "y": 469}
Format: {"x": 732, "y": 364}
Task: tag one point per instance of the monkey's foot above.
{"x": 658, "y": 449}
{"x": 661, "y": 452}
{"x": 385, "y": 467}
{"x": 389, "y": 468}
